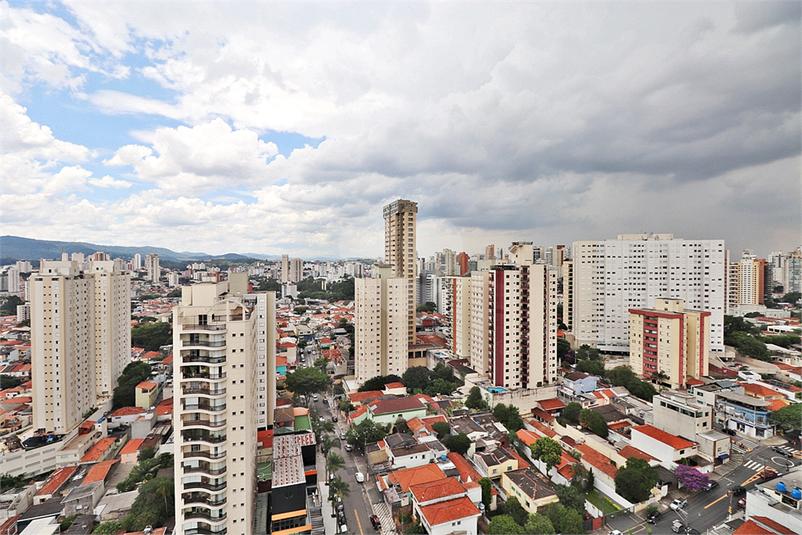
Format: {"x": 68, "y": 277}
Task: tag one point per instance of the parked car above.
{"x": 348, "y": 447}
{"x": 737, "y": 490}
{"x": 677, "y": 504}
{"x": 710, "y": 486}
{"x": 691, "y": 531}
{"x": 616, "y": 532}
{"x": 342, "y": 436}
{"x": 343, "y": 528}
{"x": 334, "y": 419}
{"x": 375, "y": 522}
{"x": 769, "y": 473}
{"x": 742, "y": 503}
{"x": 677, "y": 526}
{"x": 315, "y": 398}
{"x": 654, "y": 517}
{"x": 359, "y": 477}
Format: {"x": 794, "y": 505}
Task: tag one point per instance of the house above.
{"x": 669, "y": 449}
{"x": 580, "y": 383}
{"x": 744, "y": 414}
{"x": 469, "y": 478}
{"x": 495, "y": 462}
{"x": 124, "y": 416}
{"x": 604, "y": 469}
{"x": 397, "y": 389}
{"x": 358, "y": 398}
{"x": 388, "y": 411}
{"x": 130, "y": 452}
{"x": 398, "y": 482}
{"x": 526, "y": 485}
{"x": 443, "y": 507}
{"x": 404, "y": 451}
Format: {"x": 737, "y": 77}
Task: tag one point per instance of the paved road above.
{"x": 357, "y": 505}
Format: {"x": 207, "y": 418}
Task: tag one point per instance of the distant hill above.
{"x": 17, "y": 248}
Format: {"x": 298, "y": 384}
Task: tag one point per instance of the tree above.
{"x": 691, "y": 478}
{"x": 442, "y": 429}
{"x": 564, "y": 520}
{"x": 152, "y": 504}
{"x": 9, "y": 381}
{"x": 377, "y": 383}
{"x": 151, "y": 336}
{"x": 474, "y": 399}
{"x": 547, "y": 450}
{"x": 416, "y": 377}
{"x": 733, "y": 324}
{"x": 9, "y": 307}
{"x": 636, "y": 480}
{"x": 428, "y": 307}
{"x": 338, "y": 390}
{"x": 439, "y": 386}
{"x": 538, "y": 524}
{"x": 334, "y": 462}
{"x": 415, "y": 529}
{"x": 306, "y": 381}
{"x": 111, "y": 527}
{"x": 444, "y": 372}
{"x": 401, "y": 425}
{"x": 788, "y": 418}
{"x": 642, "y": 389}
{"x": 321, "y": 364}
{"x": 504, "y": 525}
{"x": 365, "y": 432}
{"x": 587, "y": 352}
{"x": 13, "y": 482}
{"x": 571, "y": 412}
{"x": 457, "y": 443}
{"x": 563, "y": 347}
{"x": 571, "y": 496}
{"x": 338, "y": 489}
{"x": 146, "y": 453}
{"x": 509, "y": 416}
{"x": 513, "y": 508}
{"x": 620, "y": 376}
{"x": 594, "y": 421}
{"x": 487, "y": 492}
{"x": 792, "y": 297}
{"x": 328, "y": 443}
{"x": 593, "y": 367}
{"x": 125, "y": 392}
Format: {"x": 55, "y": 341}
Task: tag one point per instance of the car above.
{"x": 616, "y": 532}
{"x": 334, "y": 419}
{"x": 742, "y": 503}
{"x": 342, "y": 436}
{"x": 375, "y": 522}
{"x": 654, "y": 517}
{"x": 349, "y": 447}
{"x": 343, "y": 528}
{"x": 692, "y": 531}
{"x": 769, "y": 473}
{"x": 359, "y": 477}
{"x": 341, "y": 517}
{"x": 710, "y": 486}
{"x": 677, "y": 526}
{"x": 315, "y": 398}
{"x": 737, "y": 490}
{"x": 678, "y": 504}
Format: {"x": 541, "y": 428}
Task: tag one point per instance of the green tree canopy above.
{"x": 571, "y": 496}
{"x": 125, "y": 393}
{"x": 792, "y": 297}
{"x": 563, "y": 347}
{"x": 564, "y": 519}
{"x": 487, "y": 492}
{"x": 788, "y": 418}
{"x": 571, "y": 412}
{"x": 620, "y": 376}
{"x": 416, "y": 377}
{"x": 9, "y": 381}
{"x": 306, "y": 381}
{"x": 513, "y": 508}
{"x": 593, "y": 367}
{"x": 547, "y": 450}
{"x": 9, "y": 307}
{"x": 586, "y": 352}
{"x": 365, "y": 432}
{"x": 538, "y": 524}
{"x": 151, "y": 336}
{"x": 378, "y": 382}
{"x": 112, "y": 527}
{"x": 509, "y": 416}
{"x": 457, "y": 443}
{"x": 642, "y": 389}
{"x": 594, "y": 421}
{"x": 635, "y": 480}
{"x": 153, "y": 504}
{"x": 748, "y": 345}
{"x": 442, "y": 429}
{"x": 474, "y": 399}
{"x": 504, "y": 525}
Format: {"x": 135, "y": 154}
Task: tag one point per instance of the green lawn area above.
{"x": 264, "y": 471}
{"x": 602, "y": 502}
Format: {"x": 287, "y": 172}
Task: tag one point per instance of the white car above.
{"x": 616, "y": 532}
{"x": 360, "y": 478}
{"x": 678, "y": 504}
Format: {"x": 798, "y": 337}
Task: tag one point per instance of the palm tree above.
{"x": 327, "y": 426}
{"x": 338, "y": 489}
{"x": 328, "y": 443}
{"x": 334, "y": 462}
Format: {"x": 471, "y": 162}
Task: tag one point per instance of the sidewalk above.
{"x": 328, "y": 522}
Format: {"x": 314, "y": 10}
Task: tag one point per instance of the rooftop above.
{"x": 391, "y": 406}
{"x": 435, "y": 490}
{"x": 597, "y": 460}
{"x": 97, "y": 451}
{"x": 530, "y": 483}
{"x": 99, "y": 472}
{"x": 415, "y": 476}
{"x": 449, "y": 511}
{"x": 671, "y": 440}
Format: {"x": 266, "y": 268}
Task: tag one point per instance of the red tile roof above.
{"x": 131, "y": 446}
{"x": 674, "y": 441}
{"x": 165, "y": 407}
{"x": 149, "y": 355}
{"x": 149, "y": 385}
{"x": 750, "y": 527}
{"x": 357, "y": 413}
{"x": 597, "y": 460}
{"x": 358, "y": 397}
{"x": 692, "y": 381}
{"x": 97, "y": 451}
{"x": 394, "y": 385}
{"x": 759, "y": 391}
{"x": 414, "y": 476}
{"x": 99, "y": 472}
{"x": 265, "y": 438}
{"x": 391, "y": 406}
{"x": 127, "y": 411}
{"x": 56, "y": 480}
{"x": 527, "y": 437}
{"x": 522, "y": 463}
{"x": 435, "y": 490}
{"x": 551, "y": 404}
{"x": 467, "y": 473}
{"x": 449, "y": 511}
{"x": 629, "y": 451}
{"x": 544, "y": 430}
{"x": 773, "y": 525}
{"x": 542, "y": 415}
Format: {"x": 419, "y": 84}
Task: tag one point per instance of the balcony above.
{"x": 204, "y": 515}
{"x": 204, "y": 375}
{"x": 204, "y": 455}
{"x": 203, "y": 499}
{"x": 203, "y": 343}
{"x": 203, "y": 390}
{"x": 206, "y": 485}
{"x": 204, "y": 359}
{"x": 204, "y": 406}
{"x": 198, "y": 435}
{"x": 202, "y": 327}
{"x": 217, "y": 424}
{"x": 205, "y": 531}
{"x": 204, "y": 468}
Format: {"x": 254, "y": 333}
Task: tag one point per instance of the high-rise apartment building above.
{"x": 669, "y": 343}
{"x": 513, "y": 315}
{"x": 136, "y": 262}
{"x": 793, "y": 271}
{"x": 455, "y": 306}
{"x": 296, "y": 270}
{"x": 400, "y": 224}
{"x": 449, "y": 263}
{"x": 609, "y": 277}
{"x": 152, "y": 265}
{"x": 285, "y": 268}
{"x": 490, "y": 252}
{"x": 216, "y": 343}
{"x": 380, "y": 324}
{"x": 80, "y": 339}
{"x": 462, "y": 264}
{"x": 751, "y": 279}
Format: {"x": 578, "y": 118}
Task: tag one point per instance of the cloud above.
{"x": 109, "y": 182}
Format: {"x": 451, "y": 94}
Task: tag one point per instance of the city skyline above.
{"x": 283, "y": 128}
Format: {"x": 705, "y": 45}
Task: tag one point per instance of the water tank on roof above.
{"x": 781, "y": 487}
{"x": 796, "y": 493}
{"x": 443, "y": 457}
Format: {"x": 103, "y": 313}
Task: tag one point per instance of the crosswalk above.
{"x": 791, "y": 451}
{"x": 754, "y": 465}
{"x": 383, "y": 512}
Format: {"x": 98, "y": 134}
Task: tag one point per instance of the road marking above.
{"x": 715, "y": 502}
{"x": 358, "y": 523}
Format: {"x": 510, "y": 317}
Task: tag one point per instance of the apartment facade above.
{"x": 400, "y": 230}
{"x": 380, "y": 324}
{"x": 80, "y": 339}
{"x": 681, "y": 414}
{"x": 455, "y": 305}
{"x": 215, "y": 334}
{"x": 669, "y": 339}
{"x": 153, "y": 267}
{"x": 609, "y": 277}
{"x": 751, "y": 279}
{"x": 513, "y": 336}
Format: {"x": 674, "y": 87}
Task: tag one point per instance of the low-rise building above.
{"x": 744, "y": 414}
{"x": 526, "y": 485}
{"x": 444, "y": 507}
{"x": 494, "y": 463}
{"x": 668, "y": 448}
{"x": 580, "y": 383}
{"x": 678, "y": 413}
{"x": 779, "y": 500}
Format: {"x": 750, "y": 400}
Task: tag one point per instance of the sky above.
{"x": 270, "y": 128}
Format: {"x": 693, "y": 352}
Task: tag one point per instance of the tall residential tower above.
{"x": 400, "y": 225}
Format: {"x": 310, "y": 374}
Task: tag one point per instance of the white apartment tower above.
{"x": 400, "y": 224}
{"x": 285, "y": 268}
{"x": 609, "y": 277}
{"x": 296, "y": 270}
{"x": 455, "y": 305}
{"x": 751, "y": 282}
{"x": 80, "y": 339}
{"x": 136, "y": 262}
{"x": 513, "y": 316}
{"x": 216, "y": 344}
{"x": 152, "y": 265}
{"x": 380, "y": 320}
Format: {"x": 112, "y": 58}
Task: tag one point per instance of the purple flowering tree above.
{"x": 691, "y": 478}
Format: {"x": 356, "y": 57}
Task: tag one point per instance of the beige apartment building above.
{"x": 380, "y": 324}
{"x": 455, "y": 305}
{"x": 670, "y": 339}
{"x": 513, "y": 318}
{"x": 400, "y": 229}
{"x": 749, "y": 279}
{"x": 216, "y": 342}
{"x": 80, "y": 339}
{"x": 609, "y": 277}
